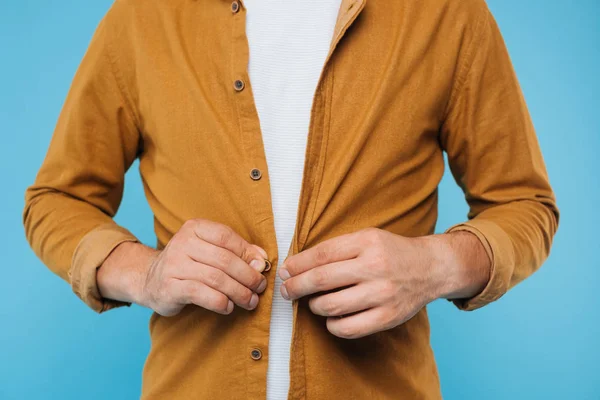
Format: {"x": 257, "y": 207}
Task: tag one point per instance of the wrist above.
{"x": 460, "y": 265}
{"x": 122, "y": 275}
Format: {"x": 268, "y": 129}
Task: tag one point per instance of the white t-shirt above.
{"x": 289, "y": 41}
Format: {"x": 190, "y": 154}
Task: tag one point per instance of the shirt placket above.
{"x": 260, "y": 193}
{"x": 259, "y": 199}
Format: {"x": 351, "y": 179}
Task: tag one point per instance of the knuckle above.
{"x": 255, "y": 281}
{"x": 187, "y": 238}
{"x": 175, "y": 241}
{"x": 372, "y": 235}
{"x": 201, "y": 298}
{"x": 331, "y": 307}
{"x": 216, "y": 279}
{"x": 320, "y": 278}
{"x": 245, "y": 296}
{"x": 248, "y": 252}
{"x": 190, "y": 291}
{"x": 180, "y": 241}
{"x": 346, "y": 331}
{"x": 224, "y": 258}
{"x": 220, "y": 302}
{"x": 189, "y": 224}
{"x": 313, "y": 304}
{"x": 197, "y": 221}
{"x": 224, "y": 235}
{"x": 321, "y": 255}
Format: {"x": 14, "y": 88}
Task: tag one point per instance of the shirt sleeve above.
{"x": 69, "y": 209}
{"x": 494, "y": 156}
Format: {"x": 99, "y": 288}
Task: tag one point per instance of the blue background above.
{"x": 540, "y": 341}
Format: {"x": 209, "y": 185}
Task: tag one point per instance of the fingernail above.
{"x": 253, "y": 300}
{"x": 262, "y": 286}
{"x": 258, "y": 265}
{"x": 284, "y": 274}
{"x": 229, "y": 306}
{"x": 284, "y": 292}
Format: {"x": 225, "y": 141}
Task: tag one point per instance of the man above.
{"x": 309, "y": 279}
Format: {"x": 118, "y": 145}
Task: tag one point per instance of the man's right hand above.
{"x": 205, "y": 263}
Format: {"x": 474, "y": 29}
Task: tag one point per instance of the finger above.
{"x": 225, "y": 237}
{"x": 220, "y": 281}
{"x": 206, "y": 253}
{"x": 194, "y": 292}
{"x": 361, "y": 324}
{"x": 331, "y": 250}
{"x": 353, "y": 299}
{"x": 322, "y": 278}
{"x": 261, "y": 251}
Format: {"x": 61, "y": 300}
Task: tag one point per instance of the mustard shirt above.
{"x": 166, "y": 82}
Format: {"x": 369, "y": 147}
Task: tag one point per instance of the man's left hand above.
{"x": 383, "y": 279}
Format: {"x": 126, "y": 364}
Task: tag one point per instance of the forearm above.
{"x": 518, "y": 236}
{"x": 72, "y": 237}
{"x": 55, "y": 222}
{"x": 121, "y": 276}
{"x": 461, "y": 266}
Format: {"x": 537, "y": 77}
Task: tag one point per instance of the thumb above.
{"x": 258, "y": 261}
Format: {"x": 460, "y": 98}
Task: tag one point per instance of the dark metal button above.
{"x": 238, "y": 85}
{"x": 267, "y": 265}
{"x": 255, "y": 174}
{"x": 235, "y": 7}
{"x": 256, "y": 354}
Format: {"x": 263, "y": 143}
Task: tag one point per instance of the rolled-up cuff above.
{"x": 500, "y": 250}
{"x": 89, "y": 255}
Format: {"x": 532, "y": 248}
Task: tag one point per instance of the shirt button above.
{"x": 235, "y": 7}
{"x": 238, "y": 85}
{"x": 255, "y": 174}
{"x": 267, "y": 265}
{"x": 256, "y": 354}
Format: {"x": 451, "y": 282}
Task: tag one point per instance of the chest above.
{"x": 373, "y": 114}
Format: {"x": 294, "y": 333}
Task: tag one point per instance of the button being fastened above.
{"x": 256, "y": 354}
{"x": 255, "y": 174}
{"x": 235, "y": 7}
{"x": 267, "y": 265}
{"x": 238, "y": 85}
